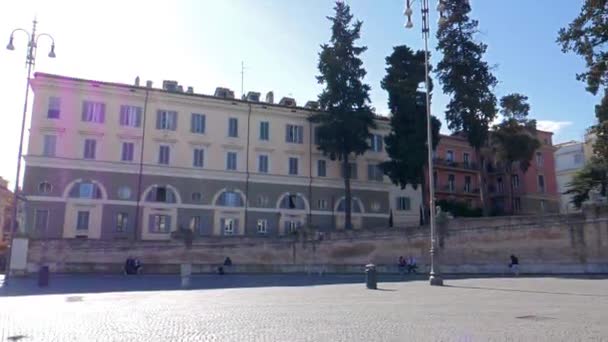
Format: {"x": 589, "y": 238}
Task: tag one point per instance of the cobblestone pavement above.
{"x": 329, "y": 308}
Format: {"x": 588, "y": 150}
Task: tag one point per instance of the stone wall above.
{"x": 575, "y": 243}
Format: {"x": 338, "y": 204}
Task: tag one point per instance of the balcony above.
{"x": 446, "y": 189}
{"x": 443, "y": 163}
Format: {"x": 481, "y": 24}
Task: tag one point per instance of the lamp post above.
{"x": 30, "y": 61}
{"x": 434, "y": 278}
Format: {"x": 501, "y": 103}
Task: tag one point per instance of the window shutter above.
{"x": 84, "y": 111}
{"x": 222, "y": 225}
{"x": 236, "y": 227}
{"x": 300, "y": 130}
{"x": 138, "y": 117}
{"x": 203, "y": 123}
{"x": 287, "y": 129}
{"x": 158, "y": 116}
{"x": 173, "y": 121}
{"x": 193, "y": 123}
{"x": 151, "y": 223}
{"x": 168, "y": 225}
{"x": 102, "y": 113}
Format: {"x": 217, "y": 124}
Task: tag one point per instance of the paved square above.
{"x": 304, "y": 308}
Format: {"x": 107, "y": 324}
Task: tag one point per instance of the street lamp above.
{"x": 434, "y": 278}
{"x": 30, "y": 61}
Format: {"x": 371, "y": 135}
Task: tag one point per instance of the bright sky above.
{"x": 202, "y": 43}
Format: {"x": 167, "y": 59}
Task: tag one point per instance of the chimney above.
{"x": 149, "y": 84}
{"x": 252, "y": 96}
{"x": 190, "y": 90}
{"x": 288, "y": 102}
{"x": 312, "y": 105}
{"x": 137, "y": 81}
{"x": 170, "y": 85}
{"x": 224, "y": 93}
{"x": 270, "y": 97}
{"x": 180, "y": 89}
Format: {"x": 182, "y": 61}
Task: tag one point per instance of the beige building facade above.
{"x": 109, "y": 160}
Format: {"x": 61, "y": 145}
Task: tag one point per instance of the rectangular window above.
{"x": 322, "y": 204}
{"x": 262, "y": 226}
{"x": 403, "y": 203}
{"x": 233, "y": 127}
{"x": 166, "y": 119}
{"x": 160, "y": 223}
{"x": 293, "y": 166}
{"x": 451, "y": 182}
{"x": 541, "y": 183}
{"x": 231, "y": 161}
{"x": 90, "y": 146}
{"x": 130, "y": 116}
{"x": 517, "y": 204}
{"x": 500, "y": 185}
{"x": 128, "y": 150}
{"x": 291, "y": 226}
{"x": 263, "y": 163}
{"x": 376, "y": 143}
{"x": 164, "y": 154}
{"x": 50, "y": 145}
{"x": 353, "y": 170}
{"x": 197, "y": 123}
{"x": 374, "y": 173}
{"x": 198, "y": 160}
{"x": 449, "y": 156}
{"x": 195, "y": 223}
{"x": 467, "y": 184}
{"x": 264, "y": 130}
{"x": 122, "y": 221}
{"x": 82, "y": 222}
{"x": 41, "y": 219}
{"x": 321, "y": 168}
{"x": 540, "y": 159}
{"x": 93, "y": 112}
{"x": 515, "y": 181}
{"x": 466, "y": 159}
{"x": 229, "y": 226}
{"x": 294, "y": 134}
{"x": 54, "y": 110}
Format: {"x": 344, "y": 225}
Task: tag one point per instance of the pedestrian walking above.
{"x": 411, "y": 265}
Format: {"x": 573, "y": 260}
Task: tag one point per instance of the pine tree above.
{"x": 467, "y": 79}
{"x": 346, "y": 117}
{"x": 406, "y": 144}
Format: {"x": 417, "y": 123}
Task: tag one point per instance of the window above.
{"x": 403, "y": 203}
{"x": 264, "y": 130}
{"x": 166, "y": 120}
{"x": 541, "y": 183}
{"x": 466, "y": 159}
{"x": 124, "y": 192}
{"x": 122, "y": 221}
{"x": 161, "y": 194}
{"x": 196, "y": 197}
{"x": 164, "y": 154}
{"x": 54, "y": 109}
{"x": 197, "y": 123}
{"x": 160, "y": 223}
{"x": 321, "y": 168}
{"x": 262, "y": 201}
{"x": 376, "y": 143}
{"x": 451, "y": 181}
{"x": 515, "y": 181}
{"x": 127, "y": 151}
{"x": 375, "y": 206}
{"x": 86, "y": 190}
{"x": 374, "y": 173}
{"x": 322, "y": 204}
{"x": 293, "y": 166}
{"x": 353, "y": 170}
{"x": 467, "y": 184}
{"x": 45, "y": 187}
{"x": 449, "y": 156}
{"x": 41, "y": 219}
{"x": 233, "y": 127}
{"x": 540, "y": 159}
{"x": 230, "y": 199}
{"x": 294, "y": 134}
{"x": 578, "y": 159}
{"x": 292, "y": 201}
{"x": 231, "y": 161}
{"x": 262, "y": 226}
{"x": 263, "y": 163}
{"x": 517, "y": 204}
{"x": 93, "y": 112}
{"x": 500, "y": 185}
{"x": 195, "y": 223}
{"x": 82, "y": 221}
{"x": 291, "y": 226}
{"x": 130, "y": 116}
{"x": 50, "y": 145}
{"x": 198, "y": 160}
{"x": 229, "y": 225}
{"x": 89, "y": 148}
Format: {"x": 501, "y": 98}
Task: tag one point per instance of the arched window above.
{"x": 161, "y": 194}
{"x": 355, "y": 206}
{"x": 292, "y": 201}
{"x": 85, "y": 189}
{"x": 230, "y": 199}
{"x": 45, "y": 187}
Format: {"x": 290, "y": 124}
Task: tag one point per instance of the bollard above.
{"x": 186, "y": 272}
{"x": 371, "y": 280}
{"x": 43, "y": 276}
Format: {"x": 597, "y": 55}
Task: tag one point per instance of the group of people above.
{"x": 408, "y": 265}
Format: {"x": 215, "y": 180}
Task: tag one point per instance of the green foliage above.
{"x": 592, "y": 177}
{"x": 459, "y": 209}
{"x": 406, "y": 144}
{"x": 345, "y": 116}
{"x": 464, "y": 75}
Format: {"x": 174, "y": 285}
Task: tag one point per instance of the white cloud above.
{"x": 552, "y": 126}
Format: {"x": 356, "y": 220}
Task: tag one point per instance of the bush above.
{"x": 459, "y": 209}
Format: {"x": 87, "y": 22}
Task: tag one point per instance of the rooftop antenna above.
{"x": 242, "y": 79}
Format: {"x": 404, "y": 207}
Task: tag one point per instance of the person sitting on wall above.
{"x": 401, "y": 265}
{"x": 411, "y": 265}
{"x": 228, "y": 262}
{"x": 220, "y": 270}
{"x": 514, "y": 265}
{"x": 132, "y": 266}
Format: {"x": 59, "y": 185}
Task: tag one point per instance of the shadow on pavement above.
{"x": 90, "y": 283}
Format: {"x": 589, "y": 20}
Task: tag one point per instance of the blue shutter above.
{"x": 173, "y": 121}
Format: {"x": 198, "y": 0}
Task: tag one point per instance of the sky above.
{"x": 201, "y": 43}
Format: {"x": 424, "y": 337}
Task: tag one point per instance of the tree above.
{"x": 346, "y": 117}
{"x": 467, "y": 79}
{"x": 592, "y": 177}
{"x": 514, "y": 139}
{"x": 406, "y": 144}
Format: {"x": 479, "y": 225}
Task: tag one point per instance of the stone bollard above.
{"x": 371, "y": 279}
{"x": 186, "y": 272}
